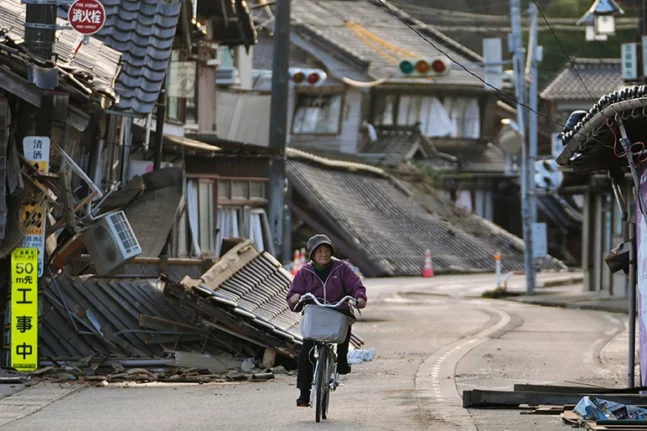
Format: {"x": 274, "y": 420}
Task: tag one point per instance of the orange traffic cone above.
{"x": 303, "y": 257}
{"x": 296, "y": 265}
{"x": 429, "y": 269}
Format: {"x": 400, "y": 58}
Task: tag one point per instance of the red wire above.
{"x": 641, "y": 159}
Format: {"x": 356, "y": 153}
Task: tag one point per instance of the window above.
{"x": 234, "y": 211}
{"x": 181, "y": 89}
{"x": 447, "y": 117}
{"x": 318, "y": 114}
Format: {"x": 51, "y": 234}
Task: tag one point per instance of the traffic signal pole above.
{"x": 278, "y": 128}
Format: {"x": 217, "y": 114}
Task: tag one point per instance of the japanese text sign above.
{"x": 24, "y": 309}
{"x": 33, "y": 214}
{"x": 87, "y": 16}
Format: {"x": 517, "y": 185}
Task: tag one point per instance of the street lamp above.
{"x": 600, "y": 19}
{"x": 589, "y": 22}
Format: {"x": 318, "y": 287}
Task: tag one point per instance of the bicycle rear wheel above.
{"x": 326, "y": 392}
{"x": 320, "y": 382}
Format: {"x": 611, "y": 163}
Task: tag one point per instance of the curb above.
{"x": 563, "y": 281}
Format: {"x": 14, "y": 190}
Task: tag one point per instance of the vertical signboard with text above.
{"x": 24, "y": 309}
{"x": 33, "y": 216}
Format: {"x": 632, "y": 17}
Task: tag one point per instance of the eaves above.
{"x": 17, "y": 85}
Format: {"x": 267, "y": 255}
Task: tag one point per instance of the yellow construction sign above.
{"x": 24, "y": 309}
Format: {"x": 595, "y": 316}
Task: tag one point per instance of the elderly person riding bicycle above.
{"x": 328, "y": 279}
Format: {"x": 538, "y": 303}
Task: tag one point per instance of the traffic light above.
{"x": 311, "y": 77}
{"x": 434, "y": 66}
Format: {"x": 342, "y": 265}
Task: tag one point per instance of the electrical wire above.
{"x": 613, "y": 132}
{"x": 559, "y": 42}
{"x": 507, "y": 96}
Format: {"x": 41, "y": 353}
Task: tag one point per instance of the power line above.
{"x": 423, "y": 37}
{"x": 563, "y": 50}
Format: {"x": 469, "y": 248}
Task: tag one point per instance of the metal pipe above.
{"x": 632, "y": 305}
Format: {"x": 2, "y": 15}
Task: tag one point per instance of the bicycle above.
{"x": 327, "y": 328}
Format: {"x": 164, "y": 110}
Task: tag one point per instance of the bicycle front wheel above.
{"x": 321, "y": 383}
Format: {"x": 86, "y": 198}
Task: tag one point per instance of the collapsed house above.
{"x": 384, "y": 225}
{"x": 233, "y": 311}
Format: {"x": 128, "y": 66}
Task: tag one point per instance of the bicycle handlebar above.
{"x": 347, "y": 298}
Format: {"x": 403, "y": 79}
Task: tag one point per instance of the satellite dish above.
{"x": 510, "y": 138}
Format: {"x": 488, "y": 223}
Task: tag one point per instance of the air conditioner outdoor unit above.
{"x": 227, "y": 76}
{"x": 111, "y": 242}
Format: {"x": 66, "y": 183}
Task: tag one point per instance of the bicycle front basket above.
{"x": 325, "y": 324}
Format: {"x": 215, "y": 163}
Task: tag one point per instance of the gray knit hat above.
{"x": 316, "y": 241}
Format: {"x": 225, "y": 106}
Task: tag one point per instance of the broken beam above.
{"x": 479, "y": 398}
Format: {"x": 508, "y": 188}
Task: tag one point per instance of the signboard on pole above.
{"x": 539, "y": 241}
{"x": 24, "y": 309}
{"x": 33, "y": 214}
{"x": 629, "y": 61}
{"x": 87, "y": 16}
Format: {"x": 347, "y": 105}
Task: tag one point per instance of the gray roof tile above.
{"x": 473, "y": 156}
{"x": 601, "y": 76}
{"x": 396, "y": 140}
{"x": 393, "y": 228}
{"x": 328, "y": 21}
{"x": 143, "y": 30}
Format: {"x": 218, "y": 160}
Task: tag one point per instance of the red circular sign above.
{"x": 87, "y": 16}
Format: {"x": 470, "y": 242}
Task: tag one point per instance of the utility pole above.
{"x": 516, "y": 47}
{"x": 533, "y": 60}
{"x": 279, "y": 125}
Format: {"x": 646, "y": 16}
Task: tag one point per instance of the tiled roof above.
{"x": 391, "y": 226}
{"x": 601, "y": 76}
{"x": 143, "y": 30}
{"x": 101, "y": 61}
{"x": 250, "y": 287}
{"x": 372, "y": 39}
{"x": 472, "y": 156}
{"x": 396, "y": 140}
{"x": 111, "y": 308}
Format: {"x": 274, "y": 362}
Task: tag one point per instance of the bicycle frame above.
{"x": 326, "y": 377}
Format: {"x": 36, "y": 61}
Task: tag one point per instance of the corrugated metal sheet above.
{"x": 243, "y": 116}
{"x": 106, "y": 319}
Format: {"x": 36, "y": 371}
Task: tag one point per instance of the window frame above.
{"x": 300, "y": 95}
{"x": 181, "y": 55}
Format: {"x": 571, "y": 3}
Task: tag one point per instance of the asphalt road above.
{"x": 432, "y": 343}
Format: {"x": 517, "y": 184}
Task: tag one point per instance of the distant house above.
{"x": 366, "y": 104}
{"x": 384, "y": 225}
{"x": 601, "y": 228}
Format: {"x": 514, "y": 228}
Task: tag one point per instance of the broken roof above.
{"x": 365, "y": 36}
{"x": 473, "y": 156}
{"x": 394, "y": 140}
{"x": 90, "y": 71}
{"x": 245, "y": 292}
{"x": 143, "y": 30}
{"x": 601, "y": 76}
{"x": 385, "y": 227}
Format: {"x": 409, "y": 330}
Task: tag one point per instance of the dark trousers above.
{"x": 307, "y": 361}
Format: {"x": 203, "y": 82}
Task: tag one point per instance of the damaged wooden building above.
{"x": 136, "y": 191}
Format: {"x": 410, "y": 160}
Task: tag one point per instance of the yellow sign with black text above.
{"x": 24, "y": 309}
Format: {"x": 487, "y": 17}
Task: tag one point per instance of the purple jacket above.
{"x": 342, "y": 281}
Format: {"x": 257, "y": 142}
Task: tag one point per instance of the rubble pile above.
{"x": 230, "y": 324}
